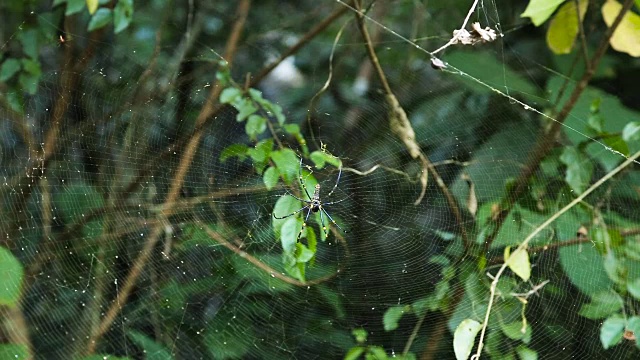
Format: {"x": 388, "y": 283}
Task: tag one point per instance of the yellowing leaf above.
{"x": 518, "y": 262}
{"x": 92, "y": 5}
{"x": 540, "y": 10}
{"x": 565, "y": 26}
{"x": 626, "y": 38}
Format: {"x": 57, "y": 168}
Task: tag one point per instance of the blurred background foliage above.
{"x": 146, "y": 144}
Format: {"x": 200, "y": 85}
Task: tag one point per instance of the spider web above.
{"x": 80, "y": 215}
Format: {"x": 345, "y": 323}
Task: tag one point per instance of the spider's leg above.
{"x": 293, "y": 196}
{"x": 337, "y": 201}
{"x": 324, "y": 227}
{"x": 336, "y": 185}
{"x": 330, "y": 218}
{"x": 304, "y": 187}
{"x": 304, "y": 224}
{"x": 293, "y": 213}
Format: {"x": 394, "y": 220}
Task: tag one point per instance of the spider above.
{"x": 314, "y": 204}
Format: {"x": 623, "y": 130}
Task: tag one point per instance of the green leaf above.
{"x": 32, "y": 67}
{"x": 104, "y": 357}
{"x": 74, "y": 6}
{"x": 354, "y": 353}
{"x": 626, "y": 38}
{"x": 617, "y": 143}
{"x": 393, "y": 315}
{"x": 514, "y": 331}
{"x": 9, "y": 68}
{"x": 29, "y": 82}
{"x": 289, "y": 233}
{"x": 518, "y": 262}
{"x": 261, "y": 152}
{"x": 270, "y": 177}
{"x": 540, "y": 10}
{"x": 245, "y": 108}
{"x": 11, "y": 277}
{"x": 303, "y": 254}
{"x": 579, "y": 169}
{"x": 152, "y": 350}
{"x": 14, "y": 351}
{"x": 603, "y": 304}
{"x": 255, "y": 126}
{"x": 122, "y": 15}
{"x": 464, "y": 338}
{"x": 100, "y": 19}
{"x": 229, "y": 95}
{"x": 92, "y": 6}
{"x": 589, "y": 279}
{"x": 612, "y": 331}
{"x": 631, "y": 132}
{"x": 29, "y": 41}
{"x": 78, "y": 199}
{"x": 360, "y": 334}
{"x": 634, "y": 325}
{"x": 634, "y": 288}
{"x": 238, "y": 150}
{"x": 376, "y": 353}
{"x": 524, "y": 353}
{"x": 288, "y": 164}
{"x": 565, "y": 25}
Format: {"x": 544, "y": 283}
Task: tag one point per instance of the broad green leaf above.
{"x": 11, "y": 277}
{"x": 100, "y": 19}
{"x": 354, "y": 353}
{"x": 611, "y": 331}
{"x": 579, "y": 169}
{"x": 515, "y": 331}
{"x": 634, "y": 288}
{"x": 634, "y": 325}
{"x": 289, "y": 233}
{"x": 229, "y": 95}
{"x": 564, "y": 26}
{"x": 525, "y": 353}
{"x": 14, "y": 351}
{"x": 376, "y": 353}
{"x": 270, "y": 177}
{"x": 9, "y": 68}
{"x": 631, "y": 132}
{"x": 464, "y": 338}
{"x": 360, "y": 334}
{"x": 626, "y": 38}
{"x": 152, "y": 350}
{"x": 303, "y": 253}
{"x": 255, "y": 126}
{"x": 540, "y": 10}
{"x": 288, "y": 164}
{"x": 74, "y": 6}
{"x": 77, "y": 200}
{"x": 29, "y": 82}
{"x": 122, "y": 15}
{"x": 238, "y": 150}
{"x": 617, "y": 143}
{"x": 603, "y": 304}
{"x": 104, "y": 357}
{"x": 393, "y": 315}
{"x": 29, "y": 41}
{"x": 518, "y": 262}
{"x": 245, "y": 108}
{"x": 92, "y": 6}
{"x": 589, "y": 279}
{"x": 320, "y": 158}
{"x": 32, "y": 67}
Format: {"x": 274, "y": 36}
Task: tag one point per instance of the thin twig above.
{"x": 536, "y": 231}
{"x": 455, "y": 37}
